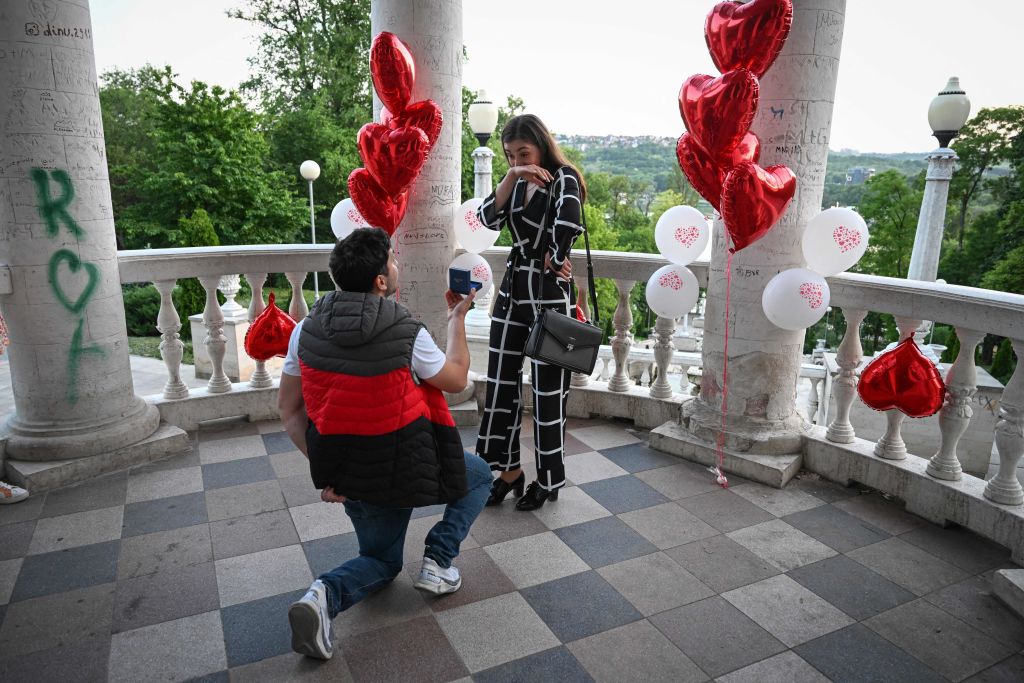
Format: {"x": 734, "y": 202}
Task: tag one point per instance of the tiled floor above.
{"x": 643, "y": 570}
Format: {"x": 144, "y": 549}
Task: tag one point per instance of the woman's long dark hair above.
{"x": 531, "y": 129}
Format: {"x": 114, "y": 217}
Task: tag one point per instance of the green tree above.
{"x": 499, "y": 164}
{"x": 890, "y": 206}
{"x": 195, "y": 230}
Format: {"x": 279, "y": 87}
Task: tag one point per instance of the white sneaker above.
{"x": 9, "y": 493}
{"x": 311, "y": 623}
{"x": 433, "y": 579}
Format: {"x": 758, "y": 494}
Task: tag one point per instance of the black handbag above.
{"x": 563, "y": 340}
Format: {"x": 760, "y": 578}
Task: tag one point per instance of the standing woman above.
{"x": 540, "y": 199}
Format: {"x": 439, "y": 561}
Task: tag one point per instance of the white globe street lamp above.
{"x": 483, "y": 118}
{"x": 310, "y": 171}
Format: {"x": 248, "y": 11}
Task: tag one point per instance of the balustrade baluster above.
{"x": 582, "y": 290}
{"x": 891, "y": 446}
{"x": 297, "y": 309}
{"x": 216, "y": 342}
{"x": 260, "y": 378}
{"x": 623, "y": 341}
{"x": 955, "y": 416}
{"x": 844, "y": 389}
{"x": 813, "y": 400}
{"x": 664, "y": 349}
{"x": 171, "y": 346}
{"x": 1005, "y": 487}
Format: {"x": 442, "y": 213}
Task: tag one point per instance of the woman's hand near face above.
{"x": 538, "y": 175}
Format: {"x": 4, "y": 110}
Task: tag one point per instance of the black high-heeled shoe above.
{"x": 500, "y": 489}
{"x": 535, "y": 497}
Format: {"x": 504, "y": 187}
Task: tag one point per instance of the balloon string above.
{"x": 720, "y": 451}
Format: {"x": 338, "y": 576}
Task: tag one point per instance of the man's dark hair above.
{"x": 359, "y": 258}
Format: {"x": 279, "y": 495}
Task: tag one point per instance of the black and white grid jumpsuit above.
{"x": 549, "y": 222}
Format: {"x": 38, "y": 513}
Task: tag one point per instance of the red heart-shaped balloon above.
{"x": 269, "y": 333}
{"x": 719, "y": 111}
{"x": 905, "y": 379}
{"x": 753, "y": 200}
{"x": 393, "y": 157}
{"x": 425, "y": 115}
{"x": 376, "y": 206}
{"x": 705, "y": 174}
{"x": 747, "y": 36}
{"x": 392, "y": 70}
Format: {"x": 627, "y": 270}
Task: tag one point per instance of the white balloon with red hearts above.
{"x": 346, "y": 219}
{"x": 672, "y": 291}
{"x": 682, "y": 234}
{"x": 472, "y": 235}
{"x": 834, "y": 241}
{"x": 795, "y": 299}
{"x": 479, "y": 271}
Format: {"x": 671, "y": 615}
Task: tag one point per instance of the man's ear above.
{"x": 381, "y": 283}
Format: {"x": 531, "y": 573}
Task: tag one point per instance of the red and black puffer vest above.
{"x": 375, "y": 434}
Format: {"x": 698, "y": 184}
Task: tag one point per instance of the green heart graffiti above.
{"x": 74, "y": 264}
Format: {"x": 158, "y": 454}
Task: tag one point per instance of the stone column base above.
{"x": 744, "y": 434}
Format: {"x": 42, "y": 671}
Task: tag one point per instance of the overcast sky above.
{"x": 603, "y": 67}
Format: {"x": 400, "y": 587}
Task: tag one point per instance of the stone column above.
{"x": 793, "y": 121}
{"x": 424, "y": 244}
{"x": 73, "y": 389}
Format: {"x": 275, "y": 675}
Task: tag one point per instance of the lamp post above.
{"x": 310, "y": 170}
{"x": 483, "y": 118}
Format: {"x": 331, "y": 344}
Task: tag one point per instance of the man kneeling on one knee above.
{"x": 361, "y": 397}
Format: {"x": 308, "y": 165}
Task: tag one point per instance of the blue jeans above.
{"x": 381, "y": 534}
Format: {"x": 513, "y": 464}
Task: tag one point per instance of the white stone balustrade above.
{"x": 956, "y": 413}
{"x": 171, "y": 347}
{"x": 844, "y": 389}
{"x": 216, "y": 342}
{"x": 623, "y": 340}
{"x": 260, "y": 378}
{"x": 891, "y": 445}
{"x": 1005, "y": 487}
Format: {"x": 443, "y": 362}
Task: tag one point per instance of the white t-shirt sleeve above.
{"x": 291, "y": 361}
{"x": 427, "y": 358}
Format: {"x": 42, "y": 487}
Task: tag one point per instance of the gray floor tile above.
{"x": 26, "y": 510}
{"x": 558, "y": 603}
{"x": 289, "y": 667}
{"x": 950, "y": 646}
{"x": 779, "y": 502}
{"x": 259, "y": 575}
{"x": 244, "y": 499}
{"x": 592, "y": 466}
{"x": 635, "y": 652}
{"x": 716, "y": 636}
{"x": 84, "y": 661}
{"x": 395, "y": 603}
{"x": 1010, "y": 670}
{"x": 258, "y": 629}
{"x": 324, "y": 554}
{"x": 835, "y": 528}
{"x": 495, "y": 631}
{"x": 200, "y": 636}
{"x": 724, "y": 510}
{"x": 9, "y": 570}
{"x": 604, "y": 436}
{"x": 605, "y": 541}
{"x": 556, "y": 664}
{"x": 721, "y": 563}
{"x": 973, "y": 602}
{"x": 164, "y": 551}
{"x": 908, "y": 566}
{"x": 427, "y": 511}
{"x": 572, "y": 507}
{"x": 299, "y": 490}
{"x": 57, "y": 620}
{"x": 76, "y": 529}
{"x": 15, "y": 539}
{"x": 887, "y": 515}
{"x": 243, "y": 535}
{"x": 821, "y": 488}
{"x": 622, "y": 494}
{"x": 638, "y": 457}
{"x": 655, "y": 583}
{"x": 667, "y": 525}
{"x": 856, "y": 653}
{"x": 144, "y": 486}
{"x": 679, "y": 481}
{"x": 320, "y": 520}
{"x": 227, "y": 429}
{"x": 289, "y": 464}
{"x": 960, "y": 547}
{"x": 787, "y": 610}
{"x": 786, "y": 667}
{"x": 163, "y": 514}
{"x": 417, "y": 652}
{"x": 152, "y": 598}
{"x": 535, "y": 559}
{"x": 278, "y": 442}
{"x": 782, "y": 545}
{"x": 504, "y": 523}
{"x": 232, "y": 473}
{"x": 851, "y": 586}
{"x": 234, "y": 448}
{"x": 67, "y": 570}
{"x": 481, "y": 579}
{"x": 187, "y": 459}
{"x": 104, "y": 492}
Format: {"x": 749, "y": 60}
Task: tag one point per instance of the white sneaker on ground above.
{"x": 434, "y": 579}
{"x": 9, "y": 493}
{"x": 311, "y": 623}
